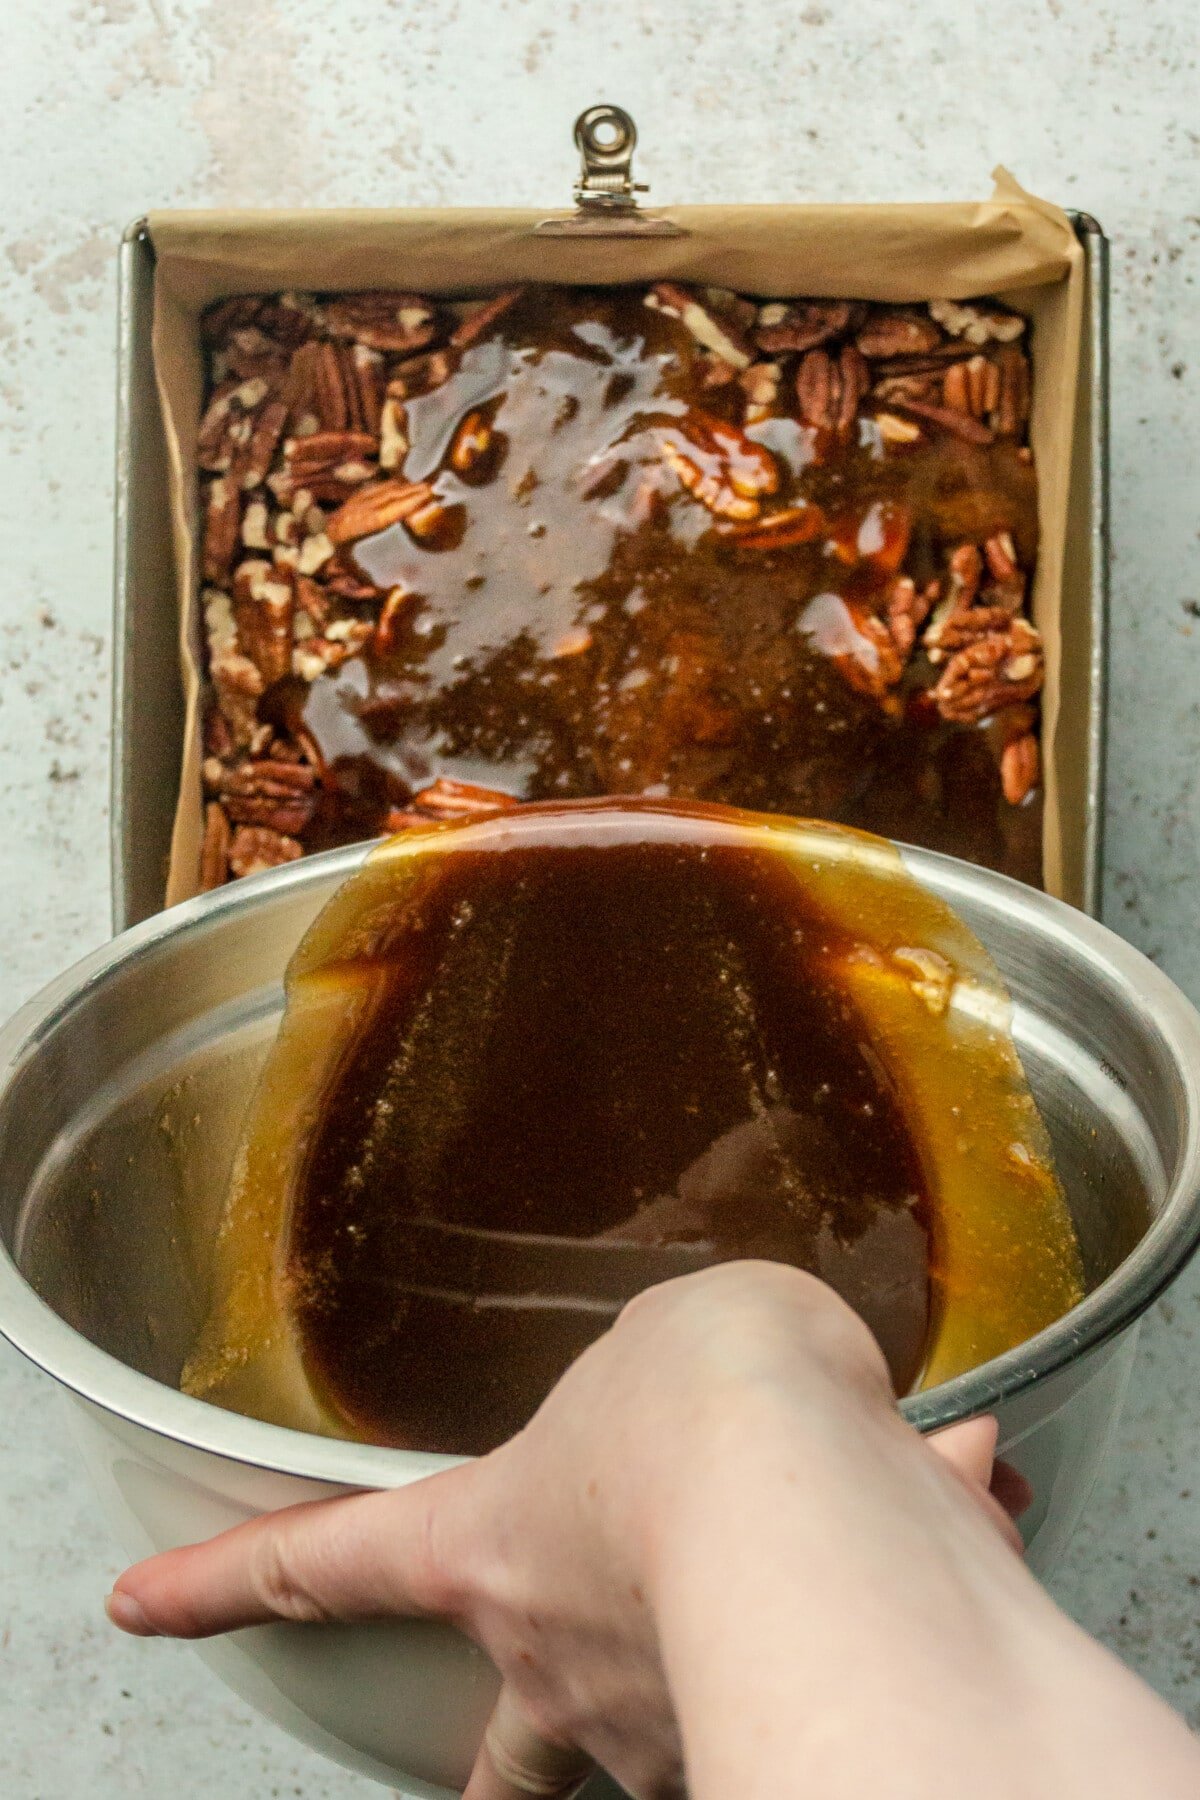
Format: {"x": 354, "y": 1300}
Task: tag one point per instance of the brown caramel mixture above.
{"x": 627, "y": 541}
{"x": 589, "y": 1069}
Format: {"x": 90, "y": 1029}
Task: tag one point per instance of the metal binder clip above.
{"x": 604, "y": 193}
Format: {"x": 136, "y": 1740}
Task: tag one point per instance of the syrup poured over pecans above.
{"x": 571, "y": 542}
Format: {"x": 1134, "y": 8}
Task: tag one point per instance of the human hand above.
{"x": 562, "y": 1551}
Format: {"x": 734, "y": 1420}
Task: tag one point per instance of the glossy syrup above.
{"x": 587, "y": 1069}
{"x": 584, "y": 630}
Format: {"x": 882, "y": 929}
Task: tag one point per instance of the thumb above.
{"x": 515, "y": 1761}
{"x": 366, "y": 1556}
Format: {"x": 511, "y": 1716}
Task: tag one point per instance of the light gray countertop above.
{"x": 113, "y": 106}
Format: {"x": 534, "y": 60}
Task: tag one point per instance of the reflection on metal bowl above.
{"x": 122, "y": 1089}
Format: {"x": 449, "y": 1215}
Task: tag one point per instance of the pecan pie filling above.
{"x": 534, "y": 1064}
{"x": 628, "y": 541}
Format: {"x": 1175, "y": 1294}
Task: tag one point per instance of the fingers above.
{"x": 969, "y": 1448}
{"x": 516, "y": 1761}
{"x": 366, "y": 1556}
{"x": 1010, "y": 1488}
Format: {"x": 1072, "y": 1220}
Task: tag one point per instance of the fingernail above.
{"x": 127, "y": 1615}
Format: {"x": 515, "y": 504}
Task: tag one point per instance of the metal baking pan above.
{"x": 148, "y": 719}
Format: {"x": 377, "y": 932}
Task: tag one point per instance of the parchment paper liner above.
{"x": 1011, "y": 245}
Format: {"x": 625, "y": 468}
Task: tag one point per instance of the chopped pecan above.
{"x": 778, "y": 531}
{"x": 264, "y": 778}
{"x": 906, "y": 609}
{"x": 228, "y": 423}
{"x": 328, "y": 465}
{"x": 1012, "y": 405}
{"x": 312, "y": 598}
{"x": 342, "y": 639}
{"x": 249, "y": 352}
{"x": 399, "y": 602}
{"x": 290, "y": 816}
{"x": 393, "y": 434}
{"x": 256, "y": 847}
{"x": 898, "y": 388}
{"x": 760, "y": 384}
{"x": 830, "y": 391}
{"x": 263, "y": 607}
{"x": 895, "y": 431}
{"x": 1005, "y": 666}
{"x": 214, "y": 849}
{"x": 1020, "y": 768}
{"x": 313, "y": 553}
{"x": 1000, "y": 554}
{"x": 715, "y": 371}
{"x": 266, "y": 431}
{"x": 976, "y": 323}
{"x": 872, "y": 663}
{"x": 898, "y": 331}
{"x": 482, "y": 318}
{"x": 472, "y": 443}
{"x": 571, "y": 643}
{"x": 801, "y": 324}
{"x": 224, "y": 316}
{"x": 419, "y": 375}
{"x": 959, "y": 629}
{"x": 222, "y": 525}
{"x": 344, "y": 581}
{"x": 383, "y": 320}
{"x": 446, "y": 799}
{"x": 709, "y": 328}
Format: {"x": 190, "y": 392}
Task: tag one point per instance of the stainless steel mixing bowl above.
{"x": 121, "y": 1092}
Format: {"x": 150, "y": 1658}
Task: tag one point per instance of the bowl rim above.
{"x": 94, "y": 1375}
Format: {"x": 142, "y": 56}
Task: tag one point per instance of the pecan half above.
{"x": 906, "y": 609}
{"x": 419, "y": 375}
{"x": 977, "y": 323}
{"x": 1020, "y": 768}
{"x": 720, "y": 466}
{"x": 376, "y": 507}
{"x": 264, "y": 603}
{"x": 1012, "y": 406}
{"x": 470, "y": 329}
{"x": 898, "y": 331}
{"x": 874, "y": 663}
{"x": 222, "y": 526}
{"x": 338, "y": 387}
{"x": 446, "y": 799}
{"x": 383, "y": 320}
{"x": 993, "y": 672}
{"x": 972, "y": 386}
{"x": 214, "y": 849}
{"x": 778, "y": 531}
{"x": 709, "y": 328}
{"x": 801, "y": 324}
{"x": 959, "y": 424}
{"x": 829, "y": 391}
{"x": 256, "y": 847}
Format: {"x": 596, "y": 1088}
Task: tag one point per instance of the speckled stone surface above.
{"x": 112, "y": 106}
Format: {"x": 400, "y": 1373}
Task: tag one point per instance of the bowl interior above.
{"x": 117, "y": 1136}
